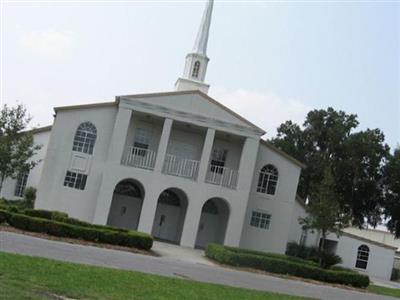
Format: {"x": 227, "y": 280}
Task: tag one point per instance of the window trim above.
{"x": 71, "y": 180}
{"x": 83, "y": 146}
{"x": 258, "y": 187}
{"x": 261, "y": 217}
{"x": 19, "y": 188}
{"x": 218, "y": 165}
{"x": 362, "y": 260}
{"x": 196, "y": 69}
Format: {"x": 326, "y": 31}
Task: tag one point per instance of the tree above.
{"x": 16, "y": 143}
{"x": 328, "y": 139}
{"x": 324, "y": 214}
{"x": 392, "y": 192}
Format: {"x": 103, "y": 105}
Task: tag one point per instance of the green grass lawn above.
{"x": 384, "y": 291}
{"x": 23, "y": 277}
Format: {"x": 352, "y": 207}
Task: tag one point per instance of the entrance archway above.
{"x": 126, "y": 204}
{"x": 213, "y": 222}
{"x": 170, "y": 215}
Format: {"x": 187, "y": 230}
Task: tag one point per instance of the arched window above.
{"x": 196, "y": 69}
{"x": 128, "y": 188}
{"x": 362, "y": 257}
{"x": 85, "y": 138}
{"x": 267, "y": 180}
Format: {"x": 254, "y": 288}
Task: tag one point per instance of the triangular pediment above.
{"x": 195, "y": 103}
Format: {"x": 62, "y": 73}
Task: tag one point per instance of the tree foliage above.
{"x": 328, "y": 139}
{"x": 16, "y": 143}
{"x": 324, "y": 213}
{"x": 392, "y": 192}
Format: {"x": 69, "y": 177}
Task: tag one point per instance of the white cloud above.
{"x": 48, "y": 42}
{"x": 267, "y": 111}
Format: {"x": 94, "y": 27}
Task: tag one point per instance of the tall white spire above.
{"x": 200, "y": 45}
{"x": 196, "y": 61}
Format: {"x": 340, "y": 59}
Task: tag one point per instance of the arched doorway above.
{"x": 126, "y": 204}
{"x": 170, "y": 215}
{"x": 213, "y": 222}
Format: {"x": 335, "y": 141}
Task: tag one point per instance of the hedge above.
{"x": 56, "y": 228}
{"x": 275, "y": 264}
{"x": 273, "y": 255}
{"x": 4, "y": 215}
{"x": 64, "y": 218}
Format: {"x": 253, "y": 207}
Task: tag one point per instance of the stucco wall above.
{"x": 380, "y": 262}
{"x": 279, "y": 206}
{"x": 295, "y": 232}
{"x": 52, "y": 194}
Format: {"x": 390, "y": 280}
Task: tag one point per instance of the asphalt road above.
{"x": 169, "y": 266}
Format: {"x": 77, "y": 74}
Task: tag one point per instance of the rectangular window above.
{"x": 21, "y": 184}
{"x": 260, "y": 220}
{"x": 142, "y": 140}
{"x": 75, "y": 180}
{"x": 218, "y": 159}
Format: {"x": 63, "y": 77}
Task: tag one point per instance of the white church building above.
{"x": 178, "y": 165}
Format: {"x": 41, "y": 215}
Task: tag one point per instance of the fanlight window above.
{"x": 210, "y": 208}
{"x": 128, "y": 188}
{"x": 362, "y": 257}
{"x": 170, "y": 198}
{"x": 85, "y": 138}
{"x": 196, "y": 69}
{"x": 268, "y": 180}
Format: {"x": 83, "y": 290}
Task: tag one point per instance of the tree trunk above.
{"x": 1, "y": 183}
{"x": 321, "y": 247}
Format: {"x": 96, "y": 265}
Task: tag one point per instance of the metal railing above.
{"x": 222, "y": 176}
{"x": 140, "y": 158}
{"x": 182, "y": 167}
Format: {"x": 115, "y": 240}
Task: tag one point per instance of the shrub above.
{"x": 3, "y": 216}
{"x": 272, "y": 255}
{"x": 30, "y": 196}
{"x": 282, "y": 265}
{"x": 12, "y": 209}
{"x": 395, "y": 274}
{"x": 324, "y": 258}
{"x": 329, "y": 259}
{"x": 51, "y": 227}
{"x": 63, "y": 217}
{"x": 39, "y": 213}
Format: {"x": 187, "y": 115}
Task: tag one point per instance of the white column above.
{"x": 104, "y": 199}
{"x": 205, "y": 154}
{"x": 192, "y": 220}
{"x": 119, "y": 134}
{"x": 148, "y": 210}
{"x": 162, "y": 146}
{"x": 239, "y": 207}
{"x": 247, "y": 163}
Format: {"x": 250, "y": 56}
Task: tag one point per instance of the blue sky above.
{"x": 269, "y": 61}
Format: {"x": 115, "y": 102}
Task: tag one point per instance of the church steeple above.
{"x": 196, "y": 61}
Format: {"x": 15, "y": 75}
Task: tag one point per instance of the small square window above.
{"x": 75, "y": 180}
{"x": 260, "y": 220}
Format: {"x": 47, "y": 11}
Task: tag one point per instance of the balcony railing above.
{"x": 140, "y": 158}
{"x": 182, "y": 167}
{"x": 222, "y": 176}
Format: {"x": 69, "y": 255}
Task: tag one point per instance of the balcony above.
{"x": 181, "y": 167}
{"x": 222, "y": 176}
{"x": 139, "y": 158}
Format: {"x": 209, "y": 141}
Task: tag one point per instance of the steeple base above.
{"x": 183, "y": 84}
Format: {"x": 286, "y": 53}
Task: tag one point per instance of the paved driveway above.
{"x": 172, "y": 266}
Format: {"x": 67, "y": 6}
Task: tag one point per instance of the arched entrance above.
{"x": 213, "y": 222}
{"x": 170, "y": 215}
{"x": 126, "y": 204}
